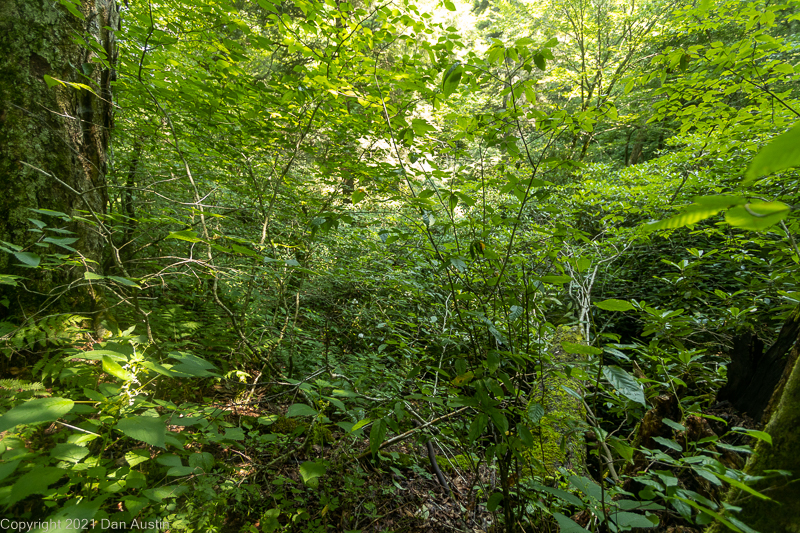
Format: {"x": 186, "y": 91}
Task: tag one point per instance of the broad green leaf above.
{"x": 148, "y": 429}
{"x": 535, "y": 412}
{"x": 739, "y": 485}
{"x": 757, "y": 216}
{"x": 124, "y": 281}
{"x": 615, "y": 305}
{"x": 567, "y": 525}
{"x": 192, "y": 365}
{"x": 35, "y": 411}
{"x": 703, "y": 207}
{"x": 360, "y": 424}
{"x": 71, "y": 518}
{"x": 91, "y": 276}
{"x": 300, "y": 409}
{"x": 162, "y": 493}
{"x": 8, "y": 468}
{"x": 35, "y": 481}
{"x": 63, "y": 242}
{"x": 185, "y": 235}
{"x": 376, "y": 435}
{"x": 72, "y": 453}
{"x": 449, "y": 5}
{"x": 625, "y": 519}
{"x": 28, "y": 258}
{"x": 358, "y": 195}
{"x": 421, "y": 126}
{"x": 451, "y": 79}
{"x": 781, "y": 153}
{"x": 580, "y": 348}
{"x": 499, "y": 420}
{"x": 494, "y": 501}
{"x": 624, "y": 383}
{"x": 669, "y": 443}
{"x": 71, "y": 6}
{"x": 477, "y": 427}
{"x": 112, "y": 367}
{"x": 311, "y": 471}
{"x": 555, "y": 279}
{"x": 761, "y": 435}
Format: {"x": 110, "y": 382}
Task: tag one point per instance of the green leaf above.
{"x": 781, "y": 153}
{"x": 92, "y": 276}
{"x": 28, "y": 258}
{"x": 535, "y": 412}
{"x": 35, "y": 411}
{"x": 703, "y": 208}
{"x": 499, "y": 420}
{"x": 34, "y": 482}
{"x": 358, "y": 195}
{"x": 72, "y": 8}
{"x": 112, "y": 367}
{"x": 494, "y": 501}
{"x": 761, "y": 435}
{"x": 63, "y": 242}
{"x": 360, "y": 424}
{"x": 300, "y": 409}
{"x": 72, "y": 453}
{"x": 449, "y": 5}
{"x": 624, "y": 383}
{"x": 124, "y": 281}
{"x": 192, "y": 365}
{"x": 757, "y": 216}
{"x": 376, "y": 435}
{"x": 421, "y": 126}
{"x": 185, "y": 235}
{"x": 451, "y": 79}
{"x": 71, "y": 518}
{"x": 739, "y": 485}
{"x": 477, "y": 427}
{"x": 580, "y": 348}
{"x": 625, "y": 519}
{"x": 539, "y": 61}
{"x": 615, "y": 305}
{"x": 311, "y": 471}
{"x": 148, "y": 429}
{"x": 567, "y": 525}
{"x": 669, "y": 443}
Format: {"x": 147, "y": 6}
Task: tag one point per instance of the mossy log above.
{"x": 564, "y": 414}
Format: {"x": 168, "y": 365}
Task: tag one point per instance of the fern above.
{"x": 17, "y": 388}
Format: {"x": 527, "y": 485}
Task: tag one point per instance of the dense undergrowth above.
{"x": 404, "y": 284}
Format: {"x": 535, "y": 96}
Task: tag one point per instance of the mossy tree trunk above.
{"x": 782, "y": 513}
{"x": 563, "y": 412}
{"x": 53, "y": 140}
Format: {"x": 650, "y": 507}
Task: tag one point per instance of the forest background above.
{"x": 347, "y": 266}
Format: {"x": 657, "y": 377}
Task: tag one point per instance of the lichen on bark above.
{"x": 53, "y": 140}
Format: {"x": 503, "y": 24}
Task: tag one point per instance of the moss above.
{"x": 286, "y": 426}
{"x": 458, "y": 463}
{"x": 563, "y": 413}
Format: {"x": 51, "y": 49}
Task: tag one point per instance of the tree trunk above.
{"x": 754, "y": 375}
{"x": 778, "y": 372}
{"x": 564, "y": 411}
{"x": 53, "y": 140}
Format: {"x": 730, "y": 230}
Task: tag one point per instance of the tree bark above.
{"x": 53, "y": 140}
{"x": 753, "y": 375}
{"x": 777, "y": 372}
